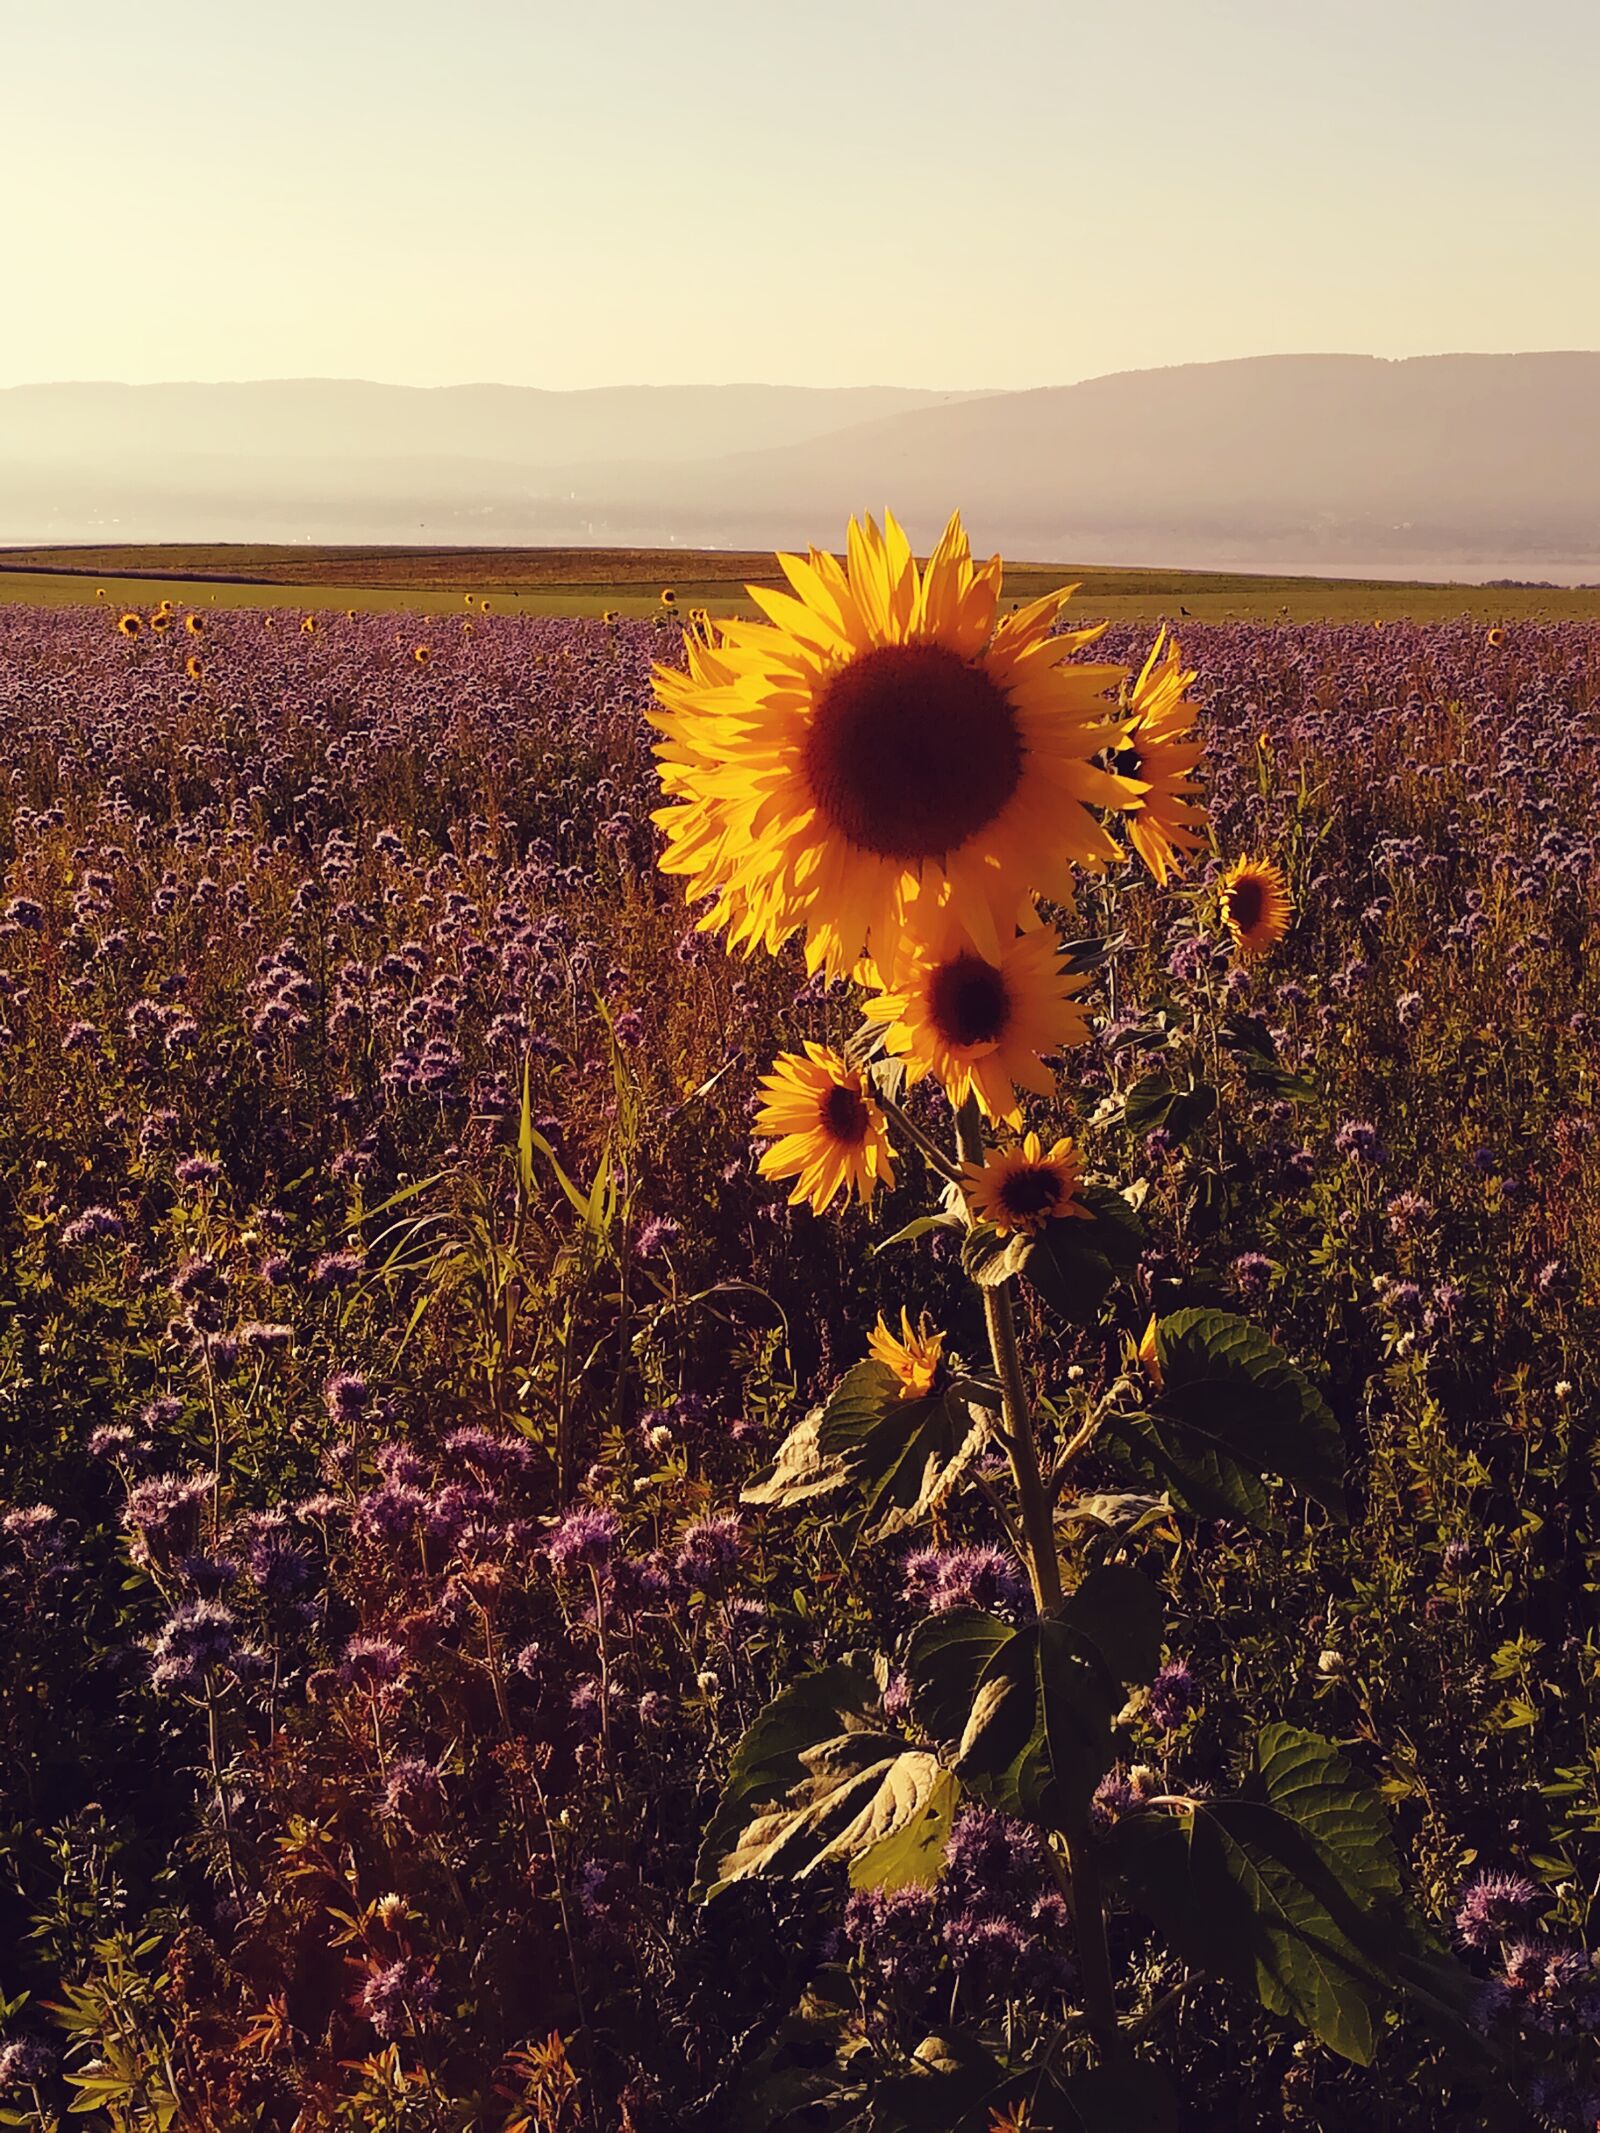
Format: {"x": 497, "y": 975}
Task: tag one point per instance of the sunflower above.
{"x": 349, "y": 614}
{"x": 193, "y": 668}
{"x": 879, "y": 738}
{"x": 668, "y": 597}
{"x": 1158, "y": 752}
{"x": 916, "y": 1357}
{"x": 611, "y": 615}
{"x": 1148, "y": 1356}
{"x": 483, "y": 607}
{"x": 826, "y": 1131}
{"x": 161, "y": 620}
{"x": 195, "y": 625}
{"x": 978, "y": 1026}
{"x": 1255, "y": 905}
{"x": 164, "y": 607}
{"x": 99, "y": 592}
{"x": 130, "y": 624}
{"x": 1023, "y": 1188}
{"x": 421, "y": 654}
{"x": 1497, "y": 637}
{"x": 308, "y": 626}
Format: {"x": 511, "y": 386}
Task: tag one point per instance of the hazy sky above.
{"x": 587, "y": 192}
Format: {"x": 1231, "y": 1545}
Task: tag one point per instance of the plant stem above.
{"x": 931, "y": 1152}
{"x": 1044, "y": 1569}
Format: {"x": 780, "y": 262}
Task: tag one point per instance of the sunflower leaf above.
{"x": 1075, "y": 1262}
{"x": 1232, "y": 1408}
{"x": 1037, "y": 1739}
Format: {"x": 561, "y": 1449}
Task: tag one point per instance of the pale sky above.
{"x": 601, "y": 192}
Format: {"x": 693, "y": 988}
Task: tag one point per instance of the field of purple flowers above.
{"x": 392, "y": 1321}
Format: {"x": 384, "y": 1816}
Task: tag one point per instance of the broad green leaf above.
{"x": 800, "y": 1471}
{"x": 911, "y": 1850}
{"x": 921, "y": 1226}
{"x": 1232, "y": 1408}
{"x": 860, "y": 1795}
{"x": 1074, "y": 1262}
{"x": 1121, "y": 1614}
{"x": 903, "y": 1455}
{"x": 989, "y": 1258}
{"x": 768, "y": 1761}
{"x": 1037, "y": 1739}
{"x": 1157, "y": 1102}
{"x": 944, "y": 1660}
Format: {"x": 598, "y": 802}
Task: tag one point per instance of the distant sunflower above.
{"x": 611, "y": 615}
{"x": 827, "y": 1132}
{"x": 165, "y": 606}
{"x": 979, "y": 1026}
{"x": 421, "y": 654}
{"x": 1497, "y": 637}
{"x": 195, "y": 625}
{"x": 308, "y": 626}
{"x": 1147, "y": 1354}
{"x": 130, "y": 624}
{"x": 349, "y": 614}
{"x": 1157, "y": 751}
{"x": 880, "y": 739}
{"x": 1255, "y": 905}
{"x": 1022, "y": 1188}
{"x": 916, "y": 1357}
{"x": 668, "y": 597}
{"x": 161, "y": 620}
{"x": 483, "y": 607}
{"x": 99, "y": 592}
{"x": 193, "y": 668}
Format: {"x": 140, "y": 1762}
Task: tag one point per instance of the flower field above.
{"x": 515, "y": 1619}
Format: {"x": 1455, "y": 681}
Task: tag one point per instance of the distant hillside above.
{"x": 1275, "y": 461}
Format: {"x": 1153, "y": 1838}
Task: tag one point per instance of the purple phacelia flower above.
{"x": 93, "y": 1225}
{"x": 371, "y": 1663}
{"x": 709, "y": 1554}
{"x": 196, "y": 1638}
{"x": 586, "y": 1537}
{"x": 1357, "y": 1137}
{"x": 941, "y": 1579}
{"x": 1493, "y": 1907}
{"x": 1172, "y": 1696}
{"x": 344, "y": 1397}
{"x": 398, "y": 1997}
{"x": 337, "y": 1270}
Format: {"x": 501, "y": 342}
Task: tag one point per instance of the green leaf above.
{"x": 901, "y": 1456}
{"x": 1037, "y": 1739}
{"x": 944, "y": 1660}
{"x": 910, "y": 1851}
{"x": 988, "y": 1257}
{"x": 861, "y": 1794}
{"x": 1297, "y": 1896}
{"x": 767, "y": 1761}
{"x": 1075, "y": 1261}
{"x": 1121, "y": 1614}
{"x": 1232, "y": 1408}
{"x": 922, "y": 1226}
{"x": 800, "y": 1471}
{"x": 1156, "y": 1102}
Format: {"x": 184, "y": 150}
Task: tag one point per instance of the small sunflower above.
{"x": 1157, "y": 752}
{"x": 421, "y": 653}
{"x": 349, "y": 614}
{"x": 193, "y": 668}
{"x": 881, "y": 738}
{"x": 979, "y": 1026}
{"x": 1255, "y": 905}
{"x": 99, "y": 592}
{"x": 915, "y": 1357}
{"x": 195, "y": 625}
{"x": 164, "y": 606}
{"x": 308, "y": 626}
{"x": 1147, "y": 1356}
{"x": 483, "y": 607}
{"x": 1023, "y": 1187}
{"x": 611, "y": 615}
{"x": 1497, "y": 637}
{"x": 668, "y": 597}
{"x": 826, "y": 1131}
{"x": 161, "y": 620}
{"x": 130, "y": 624}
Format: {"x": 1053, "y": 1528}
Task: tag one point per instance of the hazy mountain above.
{"x": 1276, "y": 460}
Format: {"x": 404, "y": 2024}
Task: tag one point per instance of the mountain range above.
{"x": 1464, "y": 464}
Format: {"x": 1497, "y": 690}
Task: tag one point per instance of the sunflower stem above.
{"x": 1085, "y": 1894}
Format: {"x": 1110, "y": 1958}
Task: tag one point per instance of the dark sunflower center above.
{"x": 968, "y": 1001}
{"x": 844, "y": 1115}
{"x": 1128, "y": 763}
{"x": 1031, "y": 1192}
{"x": 911, "y": 751}
{"x": 1246, "y": 902}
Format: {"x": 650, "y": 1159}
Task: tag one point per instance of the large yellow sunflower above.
{"x": 130, "y": 624}
{"x": 916, "y": 1357}
{"x": 195, "y": 625}
{"x": 881, "y": 738}
{"x": 1255, "y": 905}
{"x": 827, "y": 1133}
{"x": 977, "y": 1024}
{"x": 1158, "y": 752}
{"x": 1023, "y": 1187}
